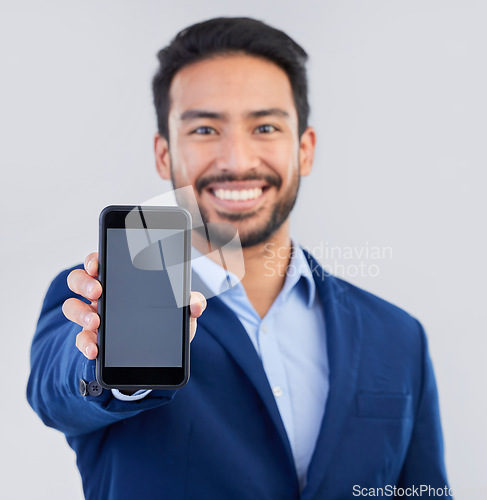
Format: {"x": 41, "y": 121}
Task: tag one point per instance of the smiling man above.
{"x": 302, "y": 385}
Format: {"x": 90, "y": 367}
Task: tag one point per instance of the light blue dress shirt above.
{"x": 291, "y": 343}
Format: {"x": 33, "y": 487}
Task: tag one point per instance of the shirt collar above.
{"x": 299, "y": 269}
{"x": 216, "y": 277}
{"x": 219, "y": 280}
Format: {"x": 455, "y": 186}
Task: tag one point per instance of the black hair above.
{"x": 226, "y": 35}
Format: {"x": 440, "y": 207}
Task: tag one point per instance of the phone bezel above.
{"x": 130, "y": 378}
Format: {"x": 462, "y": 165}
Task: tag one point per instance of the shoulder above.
{"x": 380, "y": 318}
{"x": 371, "y": 304}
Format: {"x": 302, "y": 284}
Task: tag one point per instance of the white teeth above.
{"x": 238, "y": 194}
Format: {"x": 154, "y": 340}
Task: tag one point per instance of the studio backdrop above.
{"x": 395, "y": 202}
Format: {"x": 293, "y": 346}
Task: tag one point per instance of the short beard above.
{"x": 222, "y": 235}
{"x": 279, "y": 215}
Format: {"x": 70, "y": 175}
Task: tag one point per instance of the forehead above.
{"x": 231, "y": 83}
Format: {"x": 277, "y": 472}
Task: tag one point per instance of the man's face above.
{"x": 233, "y": 132}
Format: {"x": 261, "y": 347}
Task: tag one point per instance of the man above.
{"x": 302, "y": 385}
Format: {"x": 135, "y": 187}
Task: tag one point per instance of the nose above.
{"x": 236, "y": 153}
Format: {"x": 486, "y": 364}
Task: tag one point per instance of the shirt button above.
{"x": 277, "y": 391}
{"x": 264, "y": 328}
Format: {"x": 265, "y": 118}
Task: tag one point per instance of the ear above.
{"x": 163, "y": 161}
{"x": 307, "y": 151}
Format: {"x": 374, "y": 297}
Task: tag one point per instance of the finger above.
{"x": 197, "y": 304}
{"x": 91, "y": 264}
{"x": 86, "y": 343}
{"x": 192, "y": 328}
{"x": 81, "y": 313}
{"x": 80, "y": 282}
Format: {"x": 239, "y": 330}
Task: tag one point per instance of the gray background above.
{"x": 399, "y": 104}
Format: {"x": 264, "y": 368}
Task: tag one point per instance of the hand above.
{"x": 84, "y": 283}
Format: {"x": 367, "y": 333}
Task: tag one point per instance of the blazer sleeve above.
{"x": 57, "y": 367}
{"x": 424, "y": 464}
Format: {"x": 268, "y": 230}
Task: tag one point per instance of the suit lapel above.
{"x": 225, "y": 327}
{"x": 344, "y": 333}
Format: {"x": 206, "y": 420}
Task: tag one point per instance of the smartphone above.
{"x": 145, "y": 273}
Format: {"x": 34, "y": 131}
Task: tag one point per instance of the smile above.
{"x": 237, "y": 194}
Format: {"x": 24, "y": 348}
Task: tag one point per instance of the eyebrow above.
{"x": 268, "y": 112}
{"x": 192, "y": 114}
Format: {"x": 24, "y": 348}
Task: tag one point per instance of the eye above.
{"x": 204, "y": 130}
{"x": 266, "y": 129}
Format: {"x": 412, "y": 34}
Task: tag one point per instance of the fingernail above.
{"x": 87, "y": 351}
{"x": 88, "y": 264}
{"x": 89, "y": 287}
{"x": 88, "y": 318}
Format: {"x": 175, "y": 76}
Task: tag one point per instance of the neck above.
{"x": 265, "y": 267}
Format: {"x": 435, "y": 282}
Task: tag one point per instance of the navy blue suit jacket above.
{"x": 221, "y": 436}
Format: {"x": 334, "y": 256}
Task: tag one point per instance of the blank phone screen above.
{"x": 143, "y": 298}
